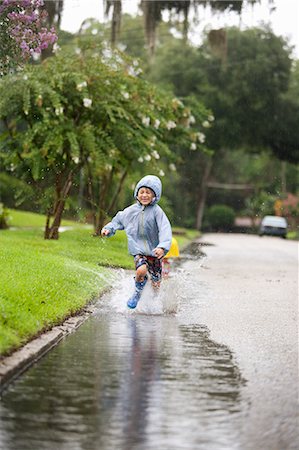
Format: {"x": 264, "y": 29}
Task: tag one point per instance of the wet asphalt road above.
{"x": 212, "y": 364}
{"x": 251, "y": 305}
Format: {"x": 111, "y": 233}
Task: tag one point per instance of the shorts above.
{"x": 153, "y": 264}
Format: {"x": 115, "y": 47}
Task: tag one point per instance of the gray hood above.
{"x": 152, "y": 182}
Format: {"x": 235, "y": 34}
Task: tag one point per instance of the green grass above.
{"x": 26, "y": 219}
{"x": 43, "y": 282}
{"x": 294, "y": 235}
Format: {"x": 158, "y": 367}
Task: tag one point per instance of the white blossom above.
{"x": 135, "y": 63}
{"x": 193, "y": 146}
{"x": 59, "y": 111}
{"x": 107, "y": 53}
{"x": 140, "y": 159}
{"x": 170, "y": 124}
{"x": 131, "y": 71}
{"x": 191, "y": 119}
{"x": 147, "y": 157}
{"x": 172, "y": 167}
{"x": 87, "y": 102}
{"x": 25, "y": 77}
{"x": 56, "y": 48}
{"x": 119, "y": 59}
{"x": 94, "y": 31}
{"x": 155, "y": 154}
{"x": 134, "y": 72}
{"x": 81, "y": 85}
{"x": 146, "y": 121}
{"x": 76, "y": 159}
{"x": 36, "y": 56}
{"x": 122, "y": 47}
{"x": 126, "y": 95}
{"x": 78, "y": 51}
{"x": 206, "y": 124}
{"x": 108, "y": 167}
{"x": 211, "y": 118}
{"x": 177, "y": 102}
{"x": 157, "y": 123}
{"x": 161, "y": 173}
{"x": 201, "y": 137}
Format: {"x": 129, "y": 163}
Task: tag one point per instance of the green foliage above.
{"x": 260, "y": 204}
{"x": 87, "y": 108}
{"x": 16, "y": 193}
{"x": 221, "y": 217}
{"x": 244, "y": 90}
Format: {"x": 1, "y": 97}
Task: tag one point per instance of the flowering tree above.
{"x": 21, "y": 32}
{"x": 86, "y": 110}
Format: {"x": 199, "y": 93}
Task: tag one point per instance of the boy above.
{"x": 148, "y": 231}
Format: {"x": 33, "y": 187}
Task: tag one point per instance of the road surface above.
{"x": 212, "y": 364}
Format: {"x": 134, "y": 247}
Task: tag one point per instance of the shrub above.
{"x": 221, "y": 217}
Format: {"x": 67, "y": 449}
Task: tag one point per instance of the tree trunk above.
{"x": 203, "y": 193}
{"x": 116, "y": 194}
{"x": 52, "y": 231}
{"x": 116, "y": 21}
{"x": 103, "y": 200}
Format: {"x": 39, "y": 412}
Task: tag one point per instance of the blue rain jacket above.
{"x": 147, "y": 227}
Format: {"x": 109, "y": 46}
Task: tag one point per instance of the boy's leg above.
{"x": 155, "y": 270}
{"x": 140, "y": 280}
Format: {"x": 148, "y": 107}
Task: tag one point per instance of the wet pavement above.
{"x": 209, "y": 364}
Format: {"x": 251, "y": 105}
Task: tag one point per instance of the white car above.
{"x": 273, "y": 226}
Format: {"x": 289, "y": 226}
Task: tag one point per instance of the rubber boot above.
{"x": 139, "y": 286}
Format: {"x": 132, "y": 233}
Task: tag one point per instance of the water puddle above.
{"x": 142, "y": 379}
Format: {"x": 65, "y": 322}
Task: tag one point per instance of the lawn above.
{"x": 43, "y": 282}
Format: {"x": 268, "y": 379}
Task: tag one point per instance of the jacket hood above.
{"x": 152, "y": 182}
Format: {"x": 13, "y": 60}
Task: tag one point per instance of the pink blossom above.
{"x": 22, "y": 21}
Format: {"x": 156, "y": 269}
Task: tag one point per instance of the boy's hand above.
{"x": 159, "y": 252}
{"x": 105, "y": 232}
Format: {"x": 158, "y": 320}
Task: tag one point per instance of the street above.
{"x": 212, "y": 364}
{"x": 250, "y": 303}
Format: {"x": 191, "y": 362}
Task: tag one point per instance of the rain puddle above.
{"x": 131, "y": 379}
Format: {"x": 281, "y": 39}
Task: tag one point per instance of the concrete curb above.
{"x": 14, "y": 365}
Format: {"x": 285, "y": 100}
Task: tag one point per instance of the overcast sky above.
{"x": 284, "y": 19}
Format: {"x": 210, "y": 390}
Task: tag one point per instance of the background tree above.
{"x": 244, "y": 93}
{"x": 85, "y": 110}
{"x": 152, "y": 13}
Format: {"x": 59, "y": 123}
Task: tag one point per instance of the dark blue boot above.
{"x": 139, "y": 285}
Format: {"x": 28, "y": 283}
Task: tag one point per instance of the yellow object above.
{"x": 174, "y": 251}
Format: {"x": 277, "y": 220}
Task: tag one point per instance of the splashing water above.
{"x": 166, "y": 301}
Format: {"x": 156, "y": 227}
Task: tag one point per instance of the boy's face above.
{"x": 145, "y": 196}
